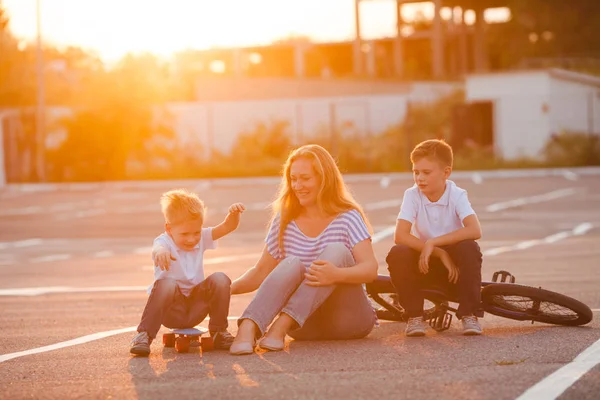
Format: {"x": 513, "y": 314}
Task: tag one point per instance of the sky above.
{"x": 113, "y": 28}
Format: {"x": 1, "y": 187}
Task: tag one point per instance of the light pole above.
{"x": 40, "y": 109}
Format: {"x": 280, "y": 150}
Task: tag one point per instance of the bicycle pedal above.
{"x": 441, "y": 321}
{"x": 504, "y": 276}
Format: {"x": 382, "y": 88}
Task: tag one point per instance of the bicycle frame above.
{"x": 436, "y": 296}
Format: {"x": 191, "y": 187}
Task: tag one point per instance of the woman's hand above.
{"x": 322, "y": 273}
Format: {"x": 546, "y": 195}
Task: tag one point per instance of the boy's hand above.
{"x": 321, "y": 273}
{"x": 425, "y": 256}
{"x": 237, "y": 208}
{"x": 451, "y": 267}
{"x": 163, "y": 259}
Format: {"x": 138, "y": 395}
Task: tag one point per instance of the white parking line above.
{"x": 579, "y": 230}
{"x": 552, "y": 386}
{"x": 384, "y": 182}
{"x": 21, "y": 211}
{"x": 251, "y": 207}
{"x": 82, "y": 340}
{"x": 104, "y": 254}
{"x": 569, "y": 175}
{"x": 143, "y": 250}
{"x": 82, "y": 214}
{"x": 68, "y": 343}
{"x": 383, "y": 204}
{"x": 226, "y": 259}
{"x": 27, "y": 243}
{"x": 20, "y": 243}
{"x": 79, "y": 204}
{"x": 50, "y": 258}
{"x": 38, "y": 291}
{"x": 58, "y": 207}
{"x": 137, "y": 209}
{"x": 379, "y": 236}
{"x": 521, "y": 201}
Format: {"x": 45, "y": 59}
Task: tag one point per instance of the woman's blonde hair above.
{"x": 333, "y": 197}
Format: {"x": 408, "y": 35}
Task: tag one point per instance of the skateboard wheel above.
{"x": 207, "y": 343}
{"x": 168, "y": 339}
{"x": 182, "y": 344}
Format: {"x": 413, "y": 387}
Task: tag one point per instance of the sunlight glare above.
{"x": 497, "y": 15}
{"x": 113, "y": 28}
{"x": 255, "y": 58}
{"x": 446, "y": 13}
{"x": 218, "y": 66}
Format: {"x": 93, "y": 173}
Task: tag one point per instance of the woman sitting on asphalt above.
{"x": 317, "y": 254}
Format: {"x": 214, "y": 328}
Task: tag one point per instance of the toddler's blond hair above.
{"x": 180, "y": 205}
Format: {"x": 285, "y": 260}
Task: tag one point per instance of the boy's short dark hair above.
{"x": 435, "y": 149}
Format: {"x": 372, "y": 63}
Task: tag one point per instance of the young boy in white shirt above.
{"x": 180, "y": 296}
{"x": 435, "y": 237}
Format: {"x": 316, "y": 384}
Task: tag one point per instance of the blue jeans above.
{"x": 340, "y": 311}
{"x": 169, "y": 307}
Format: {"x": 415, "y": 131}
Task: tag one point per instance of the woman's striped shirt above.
{"x": 347, "y": 228}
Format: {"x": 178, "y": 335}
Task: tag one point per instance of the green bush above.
{"x": 572, "y": 149}
{"x": 262, "y": 149}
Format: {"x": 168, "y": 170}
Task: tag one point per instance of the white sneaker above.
{"x": 415, "y": 327}
{"x": 471, "y": 326}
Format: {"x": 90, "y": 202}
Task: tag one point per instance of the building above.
{"x": 520, "y": 111}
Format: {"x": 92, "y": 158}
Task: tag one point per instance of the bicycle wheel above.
{"x": 526, "y": 303}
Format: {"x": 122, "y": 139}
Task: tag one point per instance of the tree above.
{"x": 259, "y": 151}
{"x": 119, "y": 112}
{"x": 563, "y": 32}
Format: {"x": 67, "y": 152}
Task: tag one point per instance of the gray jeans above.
{"x": 339, "y": 311}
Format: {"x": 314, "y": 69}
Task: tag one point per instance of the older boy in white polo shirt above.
{"x": 435, "y": 242}
{"x": 180, "y": 296}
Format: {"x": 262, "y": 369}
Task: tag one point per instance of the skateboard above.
{"x": 182, "y": 338}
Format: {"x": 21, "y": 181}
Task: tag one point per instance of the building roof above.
{"x": 566, "y": 75}
{"x": 558, "y": 73}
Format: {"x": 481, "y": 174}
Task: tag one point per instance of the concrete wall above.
{"x": 217, "y": 124}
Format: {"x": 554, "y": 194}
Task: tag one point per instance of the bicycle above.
{"x": 503, "y": 298}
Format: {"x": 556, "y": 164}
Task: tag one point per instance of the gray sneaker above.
{"x": 140, "y": 345}
{"x": 471, "y": 326}
{"x": 222, "y": 340}
{"x": 415, "y": 327}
